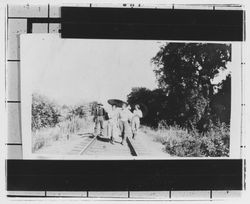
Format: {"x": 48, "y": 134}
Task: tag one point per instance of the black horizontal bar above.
{"x": 100, "y": 175}
{"x": 151, "y": 16}
{"x": 13, "y": 143}
{"x": 9, "y": 60}
{"x": 158, "y": 24}
{"x": 44, "y": 20}
{"x": 13, "y": 101}
{"x": 24, "y": 17}
{"x": 155, "y": 32}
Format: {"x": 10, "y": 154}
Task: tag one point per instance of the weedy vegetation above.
{"x": 51, "y": 122}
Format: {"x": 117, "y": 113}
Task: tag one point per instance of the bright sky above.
{"x": 75, "y": 70}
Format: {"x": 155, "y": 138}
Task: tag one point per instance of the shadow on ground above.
{"x": 90, "y": 135}
{"x": 103, "y": 139}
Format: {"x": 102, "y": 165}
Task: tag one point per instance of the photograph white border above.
{"x": 235, "y": 124}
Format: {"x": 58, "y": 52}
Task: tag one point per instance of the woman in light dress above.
{"x": 113, "y": 124}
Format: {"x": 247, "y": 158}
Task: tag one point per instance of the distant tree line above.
{"x": 46, "y": 113}
{"x": 186, "y": 95}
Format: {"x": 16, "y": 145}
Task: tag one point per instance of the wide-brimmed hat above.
{"x": 117, "y": 102}
{"x": 99, "y": 104}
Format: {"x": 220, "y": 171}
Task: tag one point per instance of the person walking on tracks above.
{"x": 99, "y": 114}
{"x": 113, "y": 123}
{"x": 137, "y": 114}
{"x": 124, "y": 116}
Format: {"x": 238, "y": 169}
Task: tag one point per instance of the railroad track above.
{"x": 88, "y": 145}
{"x": 92, "y": 145}
{"x": 131, "y": 147}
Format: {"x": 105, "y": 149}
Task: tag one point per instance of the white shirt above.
{"x": 113, "y": 115}
{"x": 137, "y": 113}
{"x": 125, "y": 115}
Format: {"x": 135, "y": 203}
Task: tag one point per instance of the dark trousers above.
{"x": 99, "y": 122}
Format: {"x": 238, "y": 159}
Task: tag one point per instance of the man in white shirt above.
{"x": 99, "y": 114}
{"x": 137, "y": 114}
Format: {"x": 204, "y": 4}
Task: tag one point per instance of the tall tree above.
{"x": 221, "y": 102}
{"x": 185, "y": 72}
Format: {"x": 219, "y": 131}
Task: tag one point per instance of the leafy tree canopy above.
{"x": 185, "y": 66}
{"x": 186, "y": 95}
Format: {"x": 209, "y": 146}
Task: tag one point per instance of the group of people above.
{"x": 120, "y": 121}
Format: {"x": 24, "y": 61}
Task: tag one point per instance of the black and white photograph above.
{"x": 124, "y": 102}
{"x": 127, "y": 98}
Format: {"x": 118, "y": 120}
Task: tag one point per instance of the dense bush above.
{"x": 44, "y": 137}
{"x": 45, "y": 113}
{"x": 183, "y": 143}
{"x": 216, "y": 141}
